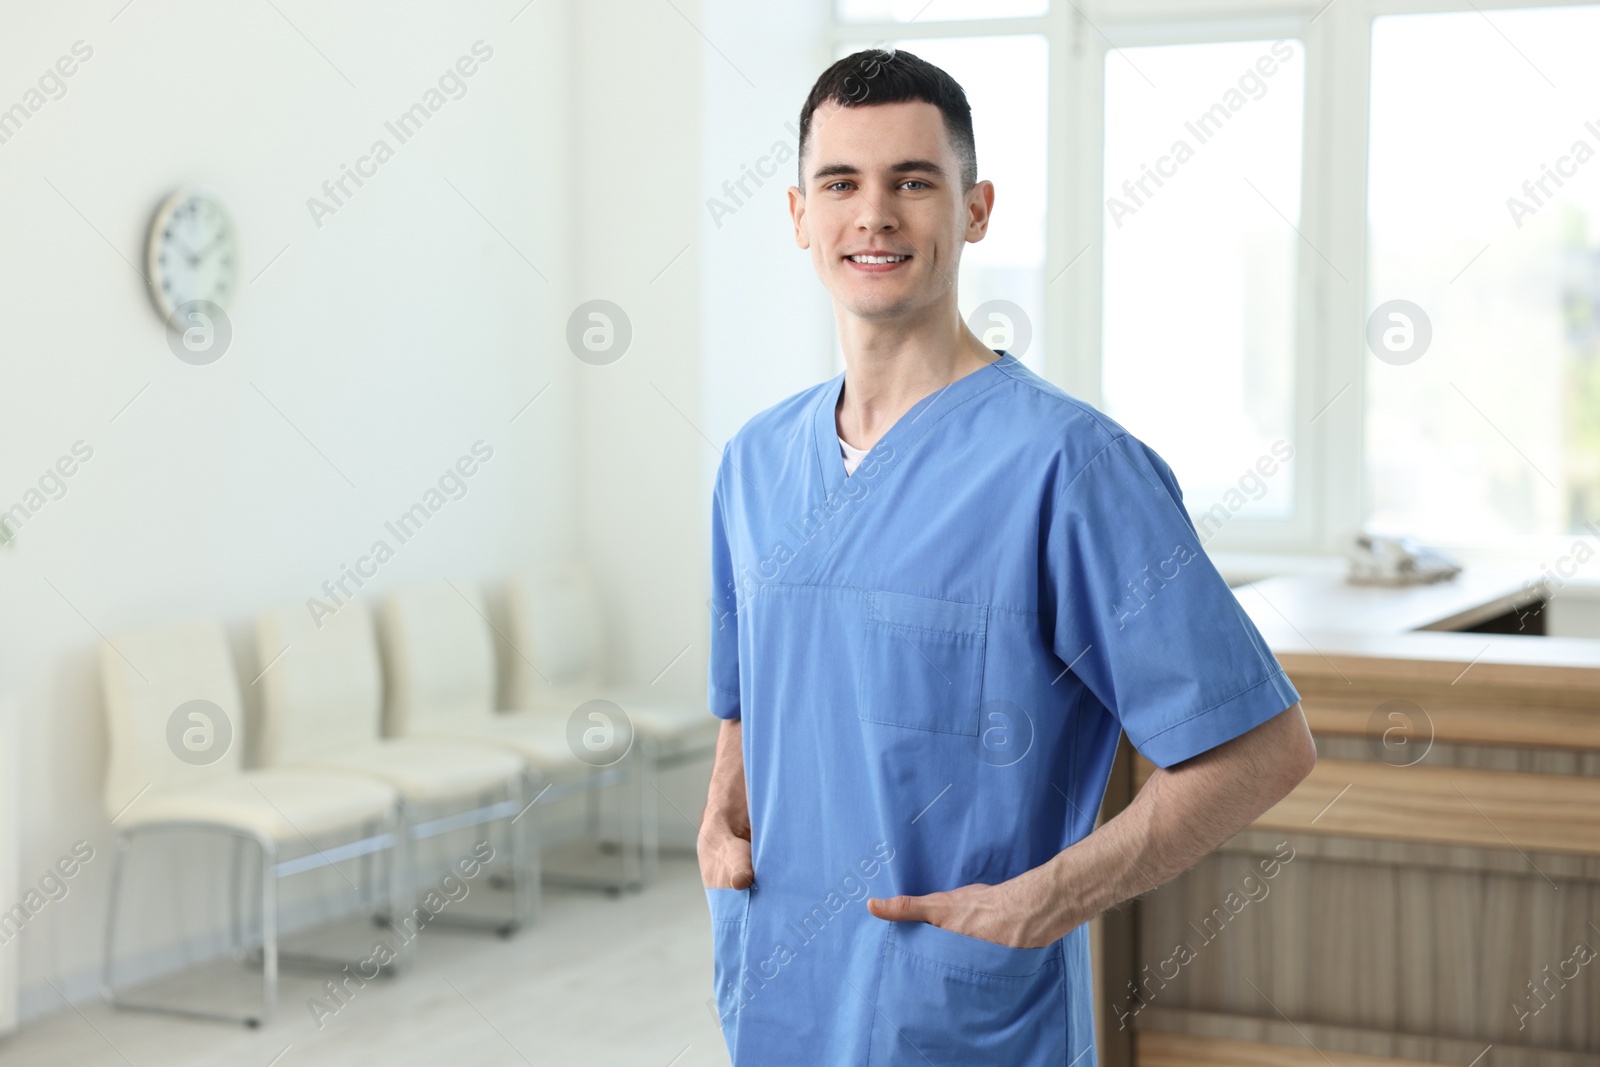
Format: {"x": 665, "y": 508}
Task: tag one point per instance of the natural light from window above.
{"x": 935, "y": 10}
{"x": 1484, "y": 198}
{"x": 1202, "y": 187}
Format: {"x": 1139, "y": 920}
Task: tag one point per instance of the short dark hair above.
{"x": 889, "y": 76}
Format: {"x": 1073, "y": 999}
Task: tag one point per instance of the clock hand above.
{"x": 206, "y": 251}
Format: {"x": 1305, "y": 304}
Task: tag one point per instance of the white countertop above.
{"x": 1322, "y": 601}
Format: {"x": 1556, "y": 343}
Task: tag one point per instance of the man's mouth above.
{"x": 872, "y": 263}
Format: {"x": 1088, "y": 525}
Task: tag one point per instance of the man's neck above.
{"x": 886, "y": 374}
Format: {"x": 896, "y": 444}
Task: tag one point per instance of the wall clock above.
{"x": 192, "y": 252}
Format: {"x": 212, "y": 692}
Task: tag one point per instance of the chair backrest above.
{"x": 172, "y": 710}
{"x": 438, "y": 658}
{"x": 322, "y": 689}
{"x": 556, "y": 622}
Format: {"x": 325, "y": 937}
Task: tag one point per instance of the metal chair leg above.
{"x": 591, "y": 814}
{"x": 364, "y": 880}
{"x": 397, "y": 884}
{"x": 531, "y": 876}
{"x": 108, "y": 990}
{"x": 650, "y": 811}
{"x": 514, "y": 861}
{"x": 269, "y": 928}
{"x": 519, "y": 872}
{"x": 621, "y": 774}
{"x": 118, "y": 863}
{"x": 630, "y": 805}
{"x": 236, "y": 899}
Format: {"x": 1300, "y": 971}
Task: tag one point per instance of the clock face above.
{"x": 193, "y": 252}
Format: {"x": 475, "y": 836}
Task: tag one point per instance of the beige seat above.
{"x": 285, "y": 805}
{"x": 440, "y": 669}
{"x": 176, "y": 731}
{"x": 322, "y": 706}
{"x": 558, "y": 627}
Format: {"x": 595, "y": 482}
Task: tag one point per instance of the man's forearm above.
{"x": 1179, "y": 817}
{"x": 724, "y": 844}
{"x": 727, "y": 805}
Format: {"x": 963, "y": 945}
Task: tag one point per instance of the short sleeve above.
{"x": 1143, "y": 618}
{"x": 723, "y": 681}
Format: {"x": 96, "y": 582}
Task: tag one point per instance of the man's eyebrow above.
{"x": 905, "y": 166}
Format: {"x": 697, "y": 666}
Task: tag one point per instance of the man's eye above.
{"x": 918, "y": 182}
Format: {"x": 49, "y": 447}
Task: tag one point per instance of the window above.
{"x": 1484, "y": 195}
{"x": 1202, "y": 184}
{"x": 935, "y": 10}
{"x": 1376, "y": 249}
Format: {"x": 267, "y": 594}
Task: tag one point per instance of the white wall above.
{"x": 388, "y": 340}
{"x": 670, "y": 101}
{"x": 769, "y": 329}
{"x": 376, "y": 348}
{"x": 726, "y": 320}
{"x": 634, "y": 97}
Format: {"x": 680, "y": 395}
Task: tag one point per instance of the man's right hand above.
{"x": 724, "y": 842}
{"x": 725, "y": 857}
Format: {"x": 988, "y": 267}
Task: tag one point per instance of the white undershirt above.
{"x": 852, "y": 456}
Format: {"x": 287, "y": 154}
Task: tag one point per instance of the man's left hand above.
{"x": 1019, "y": 912}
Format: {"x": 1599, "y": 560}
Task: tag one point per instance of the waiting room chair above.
{"x": 173, "y": 714}
{"x": 558, "y": 627}
{"x": 322, "y": 705}
{"x": 439, "y": 664}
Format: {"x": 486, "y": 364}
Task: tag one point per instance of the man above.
{"x": 925, "y": 660}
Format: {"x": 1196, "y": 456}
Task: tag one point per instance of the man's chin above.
{"x": 876, "y": 310}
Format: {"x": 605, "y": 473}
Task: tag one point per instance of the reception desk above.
{"x": 1430, "y": 894}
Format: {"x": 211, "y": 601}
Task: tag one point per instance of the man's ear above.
{"x": 797, "y": 212}
{"x": 980, "y": 205}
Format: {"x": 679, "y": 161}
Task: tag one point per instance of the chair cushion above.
{"x": 662, "y": 718}
{"x": 430, "y": 770}
{"x": 673, "y": 722}
{"x": 286, "y": 804}
{"x": 541, "y": 738}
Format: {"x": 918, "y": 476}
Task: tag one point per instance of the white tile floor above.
{"x": 597, "y": 981}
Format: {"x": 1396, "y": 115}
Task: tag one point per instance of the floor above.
{"x": 598, "y": 980}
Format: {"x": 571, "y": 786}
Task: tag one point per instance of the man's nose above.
{"x": 876, "y": 212}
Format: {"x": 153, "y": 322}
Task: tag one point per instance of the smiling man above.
{"x": 942, "y": 589}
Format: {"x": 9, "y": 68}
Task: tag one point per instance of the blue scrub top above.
{"x": 933, "y": 659}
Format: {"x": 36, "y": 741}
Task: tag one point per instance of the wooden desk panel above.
{"x": 1439, "y": 805}
{"x": 1504, "y": 716}
{"x": 1182, "y": 1050}
{"x": 1424, "y": 900}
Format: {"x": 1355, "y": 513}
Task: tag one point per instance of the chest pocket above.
{"x": 922, "y": 663}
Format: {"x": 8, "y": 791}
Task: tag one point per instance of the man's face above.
{"x": 885, "y": 179}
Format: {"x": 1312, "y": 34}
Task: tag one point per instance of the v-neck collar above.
{"x": 906, "y": 431}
